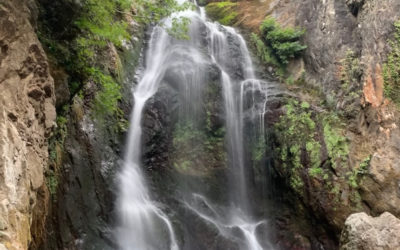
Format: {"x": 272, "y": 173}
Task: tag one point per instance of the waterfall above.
{"x": 139, "y": 217}
{"x": 143, "y": 224}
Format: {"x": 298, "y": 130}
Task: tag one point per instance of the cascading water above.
{"x": 139, "y": 217}
{"x": 142, "y": 223}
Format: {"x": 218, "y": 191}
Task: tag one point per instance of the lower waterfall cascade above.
{"x": 143, "y": 223}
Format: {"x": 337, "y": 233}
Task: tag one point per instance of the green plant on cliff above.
{"x": 106, "y": 100}
{"x": 224, "y": 12}
{"x": 351, "y": 70}
{"x": 304, "y": 134}
{"x": 391, "y": 69}
{"x": 363, "y": 168}
{"x": 284, "y": 42}
{"x": 264, "y": 52}
{"x": 100, "y": 24}
{"x": 92, "y": 31}
{"x": 296, "y": 132}
{"x": 52, "y": 183}
{"x": 336, "y": 144}
{"x": 56, "y": 144}
{"x": 353, "y": 176}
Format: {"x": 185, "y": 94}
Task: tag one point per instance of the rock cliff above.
{"x": 27, "y": 116}
{"x": 341, "y": 158}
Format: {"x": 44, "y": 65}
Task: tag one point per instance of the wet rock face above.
{"x": 83, "y": 214}
{"x": 365, "y": 232}
{"x": 27, "y": 115}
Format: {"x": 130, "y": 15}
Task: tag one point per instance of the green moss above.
{"x": 258, "y": 149}
{"x": 224, "y": 12}
{"x": 290, "y": 80}
{"x": 365, "y": 164}
{"x": 352, "y": 179}
{"x": 96, "y": 25}
{"x": 106, "y": 100}
{"x": 336, "y": 143}
{"x": 305, "y": 105}
{"x": 56, "y": 144}
{"x": 296, "y": 132}
{"x": 391, "y": 69}
{"x": 99, "y": 21}
{"x": 193, "y": 146}
{"x": 303, "y": 134}
{"x": 315, "y": 172}
{"x": 52, "y": 183}
{"x": 314, "y": 152}
{"x": 296, "y": 183}
{"x": 354, "y": 176}
{"x": 351, "y": 71}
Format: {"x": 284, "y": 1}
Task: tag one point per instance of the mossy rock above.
{"x": 223, "y": 12}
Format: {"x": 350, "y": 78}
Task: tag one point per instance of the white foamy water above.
{"x": 143, "y": 225}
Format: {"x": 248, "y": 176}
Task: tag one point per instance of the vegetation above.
{"x": 302, "y": 133}
{"x": 91, "y": 32}
{"x": 265, "y": 53}
{"x": 364, "y": 165}
{"x": 56, "y": 144}
{"x": 297, "y": 131}
{"x": 283, "y": 42}
{"x": 354, "y": 175}
{"x": 391, "y": 70}
{"x": 276, "y": 46}
{"x": 351, "y": 70}
{"x": 224, "y": 12}
{"x": 258, "y": 149}
{"x": 195, "y": 149}
{"x": 336, "y": 143}
{"x": 99, "y": 25}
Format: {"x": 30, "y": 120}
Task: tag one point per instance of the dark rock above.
{"x": 61, "y": 85}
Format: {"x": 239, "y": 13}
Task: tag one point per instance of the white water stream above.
{"x": 142, "y": 223}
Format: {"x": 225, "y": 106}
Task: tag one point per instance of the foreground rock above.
{"x": 365, "y": 232}
{"x": 27, "y": 115}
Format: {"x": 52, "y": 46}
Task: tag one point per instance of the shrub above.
{"x": 284, "y": 42}
{"x": 264, "y": 52}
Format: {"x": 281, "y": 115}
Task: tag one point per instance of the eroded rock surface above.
{"x": 27, "y": 115}
{"x": 365, "y": 232}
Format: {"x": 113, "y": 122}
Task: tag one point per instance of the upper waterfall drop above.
{"x": 142, "y": 223}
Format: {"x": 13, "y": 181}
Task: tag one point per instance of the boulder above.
{"x": 362, "y": 231}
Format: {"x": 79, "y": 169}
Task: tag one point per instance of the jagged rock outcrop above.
{"x": 342, "y": 70}
{"x": 27, "y": 115}
{"x": 335, "y": 32}
{"x": 365, "y": 232}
